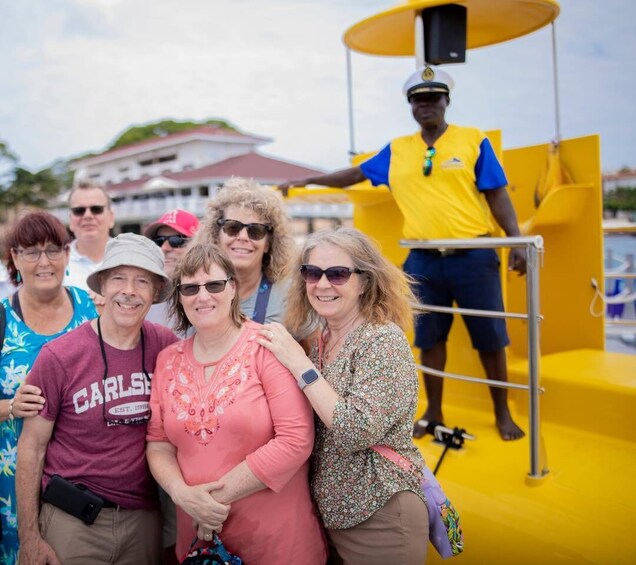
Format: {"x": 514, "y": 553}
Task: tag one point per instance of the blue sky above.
{"x": 76, "y": 73}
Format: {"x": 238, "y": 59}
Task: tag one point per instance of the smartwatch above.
{"x": 307, "y": 378}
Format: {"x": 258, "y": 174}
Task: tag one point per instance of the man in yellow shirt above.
{"x": 446, "y": 181}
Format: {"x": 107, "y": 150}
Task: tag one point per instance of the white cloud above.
{"x": 75, "y": 73}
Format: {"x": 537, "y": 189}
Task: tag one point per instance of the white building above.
{"x": 620, "y": 179}
{"x": 183, "y": 170}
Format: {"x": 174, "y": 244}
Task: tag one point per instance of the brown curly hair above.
{"x": 267, "y": 204}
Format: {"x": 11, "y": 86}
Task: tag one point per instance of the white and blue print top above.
{"x": 19, "y": 351}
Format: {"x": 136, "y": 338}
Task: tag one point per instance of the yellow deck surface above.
{"x": 585, "y": 508}
{"x": 583, "y": 512}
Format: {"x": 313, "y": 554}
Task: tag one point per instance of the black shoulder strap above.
{"x": 3, "y": 320}
{"x": 262, "y": 299}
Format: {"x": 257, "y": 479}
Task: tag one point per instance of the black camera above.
{"x": 75, "y": 500}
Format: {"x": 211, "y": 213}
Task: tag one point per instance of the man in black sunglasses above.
{"x": 90, "y": 219}
{"x": 173, "y": 233}
{"x": 445, "y": 180}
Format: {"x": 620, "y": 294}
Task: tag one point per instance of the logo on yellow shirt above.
{"x": 453, "y": 163}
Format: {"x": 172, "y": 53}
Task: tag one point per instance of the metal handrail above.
{"x": 620, "y": 322}
{"x": 477, "y": 380}
{"x": 534, "y": 247}
{"x": 469, "y": 312}
{"x": 475, "y": 243}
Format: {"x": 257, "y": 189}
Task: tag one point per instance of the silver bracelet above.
{"x": 11, "y": 416}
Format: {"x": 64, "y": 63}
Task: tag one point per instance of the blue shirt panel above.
{"x": 489, "y": 173}
{"x": 377, "y": 168}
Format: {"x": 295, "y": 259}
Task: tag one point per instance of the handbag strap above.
{"x": 392, "y": 455}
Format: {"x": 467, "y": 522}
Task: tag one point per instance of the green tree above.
{"x": 623, "y": 198}
{"x": 21, "y": 187}
{"x": 7, "y": 166}
{"x": 135, "y": 134}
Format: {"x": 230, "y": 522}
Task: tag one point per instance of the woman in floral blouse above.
{"x": 361, "y": 380}
{"x": 39, "y": 311}
{"x": 230, "y": 433}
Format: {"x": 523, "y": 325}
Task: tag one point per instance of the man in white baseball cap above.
{"x": 447, "y": 181}
{"x": 81, "y": 463}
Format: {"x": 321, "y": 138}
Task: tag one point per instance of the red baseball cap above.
{"x": 179, "y": 220}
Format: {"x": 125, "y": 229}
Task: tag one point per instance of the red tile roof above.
{"x": 620, "y": 175}
{"x": 251, "y": 165}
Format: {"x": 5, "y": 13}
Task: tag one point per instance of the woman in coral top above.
{"x": 230, "y": 432}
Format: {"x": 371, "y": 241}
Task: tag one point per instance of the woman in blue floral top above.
{"x": 361, "y": 379}
{"x": 39, "y": 311}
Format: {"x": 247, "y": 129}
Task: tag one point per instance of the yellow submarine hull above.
{"x": 581, "y": 511}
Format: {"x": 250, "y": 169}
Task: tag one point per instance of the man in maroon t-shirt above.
{"x": 91, "y": 431}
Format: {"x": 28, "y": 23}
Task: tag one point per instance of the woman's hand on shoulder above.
{"x": 27, "y": 402}
{"x": 98, "y": 299}
{"x": 287, "y": 350}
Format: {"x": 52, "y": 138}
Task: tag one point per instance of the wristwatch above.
{"x": 307, "y": 378}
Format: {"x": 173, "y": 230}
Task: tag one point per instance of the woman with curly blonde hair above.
{"x": 361, "y": 380}
{"x": 248, "y": 222}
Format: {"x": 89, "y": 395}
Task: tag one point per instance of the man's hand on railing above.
{"x": 517, "y": 260}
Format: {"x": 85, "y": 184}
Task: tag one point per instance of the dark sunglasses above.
{"x": 428, "y": 161}
{"x": 254, "y": 231}
{"x": 213, "y": 287}
{"x": 175, "y": 241}
{"x": 79, "y": 211}
{"x": 426, "y": 97}
{"x": 335, "y": 275}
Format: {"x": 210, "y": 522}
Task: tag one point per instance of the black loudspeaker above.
{"x": 445, "y": 34}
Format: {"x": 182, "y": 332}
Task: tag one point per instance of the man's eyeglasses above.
{"x": 255, "y": 231}
{"x": 335, "y": 275}
{"x": 79, "y": 211}
{"x": 428, "y": 161}
{"x": 33, "y": 254}
{"x": 213, "y": 287}
{"x": 175, "y": 241}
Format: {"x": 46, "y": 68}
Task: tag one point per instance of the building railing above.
{"x": 145, "y": 210}
{"x": 534, "y": 248}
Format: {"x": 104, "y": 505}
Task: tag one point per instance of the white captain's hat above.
{"x": 428, "y": 79}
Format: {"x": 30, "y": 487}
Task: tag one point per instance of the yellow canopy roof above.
{"x": 489, "y": 21}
